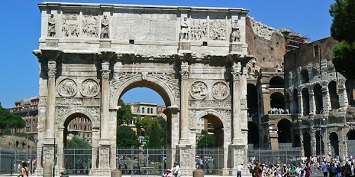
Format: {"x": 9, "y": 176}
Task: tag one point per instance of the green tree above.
{"x": 155, "y": 131}
{"x": 126, "y": 137}
{"x": 206, "y": 140}
{"x": 124, "y": 114}
{"x": 9, "y": 120}
{"x": 342, "y": 29}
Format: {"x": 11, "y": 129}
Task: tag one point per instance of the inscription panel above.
{"x": 149, "y": 26}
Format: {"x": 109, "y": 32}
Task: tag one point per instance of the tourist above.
{"x": 239, "y": 170}
{"x": 24, "y": 170}
{"x": 168, "y": 173}
{"x": 176, "y": 170}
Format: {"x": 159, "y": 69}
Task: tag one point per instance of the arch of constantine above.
{"x": 91, "y": 54}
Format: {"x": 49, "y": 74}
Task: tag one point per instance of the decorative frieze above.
{"x": 225, "y": 104}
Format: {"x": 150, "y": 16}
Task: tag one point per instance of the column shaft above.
{"x": 51, "y": 100}
{"x": 184, "y": 103}
{"x": 105, "y": 72}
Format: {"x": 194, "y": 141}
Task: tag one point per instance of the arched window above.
{"x": 304, "y": 76}
{"x": 277, "y": 82}
{"x": 252, "y": 100}
{"x": 143, "y": 110}
{"x": 277, "y": 100}
{"x": 318, "y": 98}
{"x": 334, "y": 98}
{"x": 295, "y": 101}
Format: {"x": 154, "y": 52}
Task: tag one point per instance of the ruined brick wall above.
{"x": 267, "y": 44}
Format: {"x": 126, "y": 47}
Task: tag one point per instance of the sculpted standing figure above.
{"x": 104, "y": 27}
{"x": 51, "y": 26}
{"x": 184, "y": 29}
{"x": 235, "y": 36}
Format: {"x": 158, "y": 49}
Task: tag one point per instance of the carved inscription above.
{"x": 67, "y": 87}
{"x": 220, "y": 90}
{"x": 70, "y": 25}
{"x": 199, "y": 90}
{"x": 158, "y": 27}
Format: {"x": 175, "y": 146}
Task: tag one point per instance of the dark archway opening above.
{"x": 77, "y": 141}
{"x": 307, "y": 144}
{"x": 351, "y": 142}
{"x": 318, "y": 97}
{"x": 277, "y": 100}
{"x": 252, "y": 101}
{"x": 350, "y": 89}
{"x": 297, "y": 141}
{"x": 277, "y": 82}
{"x": 253, "y": 134}
{"x": 304, "y": 76}
{"x": 305, "y": 99}
{"x": 284, "y": 131}
{"x": 334, "y": 98}
{"x": 334, "y": 143}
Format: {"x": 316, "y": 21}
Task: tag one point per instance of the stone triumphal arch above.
{"x": 194, "y": 57}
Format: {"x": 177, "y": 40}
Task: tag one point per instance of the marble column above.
{"x": 300, "y": 103}
{"x": 326, "y": 98}
{"x": 236, "y": 73}
{"x": 184, "y": 124}
{"x": 105, "y": 73}
{"x": 313, "y": 143}
{"x": 172, "y": 140}
{"x": 343, "y": 96}
{"x": 312, "y": 103}
{"x": 51, "y": 101}
{"x": 104, "y": 149}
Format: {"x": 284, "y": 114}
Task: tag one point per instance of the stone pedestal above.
{"x": 105, "y": 43}
{"x": 52, "y": 42}
{"x": 235, "y": 48}
{"x": 184, "y": 45}
{"x": 187, "y": 159}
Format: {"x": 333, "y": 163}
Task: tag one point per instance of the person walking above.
{"x": 239, "y": 170}
{"x": 24, "y": 170}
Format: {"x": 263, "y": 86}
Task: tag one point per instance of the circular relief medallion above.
{"x": 89, "y": 88}
{"x": 67, "y": 87}
{"x": 198, "y": 90}
{"x": 220, "y": 90}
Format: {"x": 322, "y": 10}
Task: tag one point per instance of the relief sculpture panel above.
{"x": 90, "y": 88}
{"x": 67, "y": 88}
{"x": 220, "y": 90}
{"x": 70, "y": 25}
{"x": 198, "y": 90}
{"x": 90, "y": 26}
{"x": 217, "y": 30}
{"x": 199, "y": 28}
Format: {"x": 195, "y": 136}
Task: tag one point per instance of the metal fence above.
{"x": 11, "y": 159}
{"x": 140, "y": 161}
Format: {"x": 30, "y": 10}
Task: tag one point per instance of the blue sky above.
{"x": 20, "y": 31}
